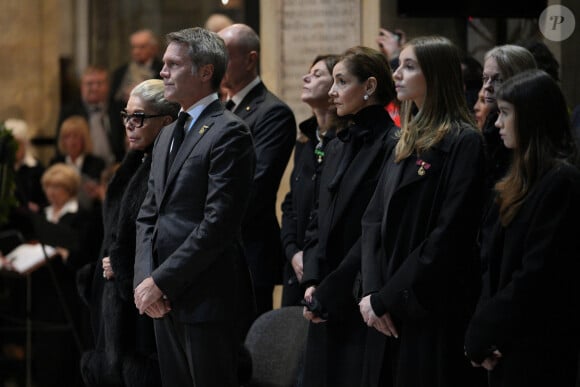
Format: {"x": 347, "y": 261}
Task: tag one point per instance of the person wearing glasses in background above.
{"x": 500, "y": 63}
{"x": 125, "y": 351}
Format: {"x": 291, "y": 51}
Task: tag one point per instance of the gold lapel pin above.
{"x": 247, "y": 108}
{"x": 203, "y": 128}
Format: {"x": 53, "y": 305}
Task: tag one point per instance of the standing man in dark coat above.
{"x": 274, "y": 130}
{"x": 188, "y": 257}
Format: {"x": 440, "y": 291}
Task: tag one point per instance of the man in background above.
{"x": 273, "y": 127}
{"x": 143, "y": 65}
{"x": 106, "y": 129}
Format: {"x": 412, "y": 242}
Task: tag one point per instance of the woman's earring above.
{"x": 366, "y": 97}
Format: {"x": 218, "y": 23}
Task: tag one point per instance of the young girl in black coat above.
{"x": 525, "y": 329}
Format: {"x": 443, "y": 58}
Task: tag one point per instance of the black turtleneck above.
{"x": 361, "y": 128}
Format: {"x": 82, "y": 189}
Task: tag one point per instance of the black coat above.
{"x": 350, "y": 174}
{"x": 530, "y": 303}
{"x": 299, "y": 203}
{"x": 125, "y": 352}
{"x": 28, "y": 187}
{"x": 417, "y": 260}
{"x": 273, "y": 129}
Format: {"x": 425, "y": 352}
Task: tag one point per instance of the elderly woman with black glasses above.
{"x": 125, "y": 352}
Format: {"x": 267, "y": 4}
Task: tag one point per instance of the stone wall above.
{"x": 29, "y": 42}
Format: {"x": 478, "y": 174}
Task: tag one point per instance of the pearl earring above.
{"x": 366, "y": 97}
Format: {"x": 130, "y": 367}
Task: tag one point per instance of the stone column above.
{"x": 29, "y": 42}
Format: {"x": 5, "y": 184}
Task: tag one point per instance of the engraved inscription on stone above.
{"x": 310, "y": 28}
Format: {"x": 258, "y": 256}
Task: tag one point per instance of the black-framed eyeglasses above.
{"x": 137, "y": 119}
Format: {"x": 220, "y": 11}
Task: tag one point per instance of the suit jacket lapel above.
{"x": 250, "y": 101}
{"x": 160, "y": 153}
{"x": 199, "y": 129}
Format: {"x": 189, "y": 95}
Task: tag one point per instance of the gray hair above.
{"x": 511, "y": 59}
{"x": 151, "y": 92}
{"x": 205, "y": 47}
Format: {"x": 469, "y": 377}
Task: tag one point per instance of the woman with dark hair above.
{"x": 125, "y": 351}
{"x": 362, "y": 86}
{"x": 416, "y": 252}
{"x": 525, "y": 328}
{"x": 309, "y": 153}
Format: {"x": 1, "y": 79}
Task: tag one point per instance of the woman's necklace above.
{"x": 318, "y": 151}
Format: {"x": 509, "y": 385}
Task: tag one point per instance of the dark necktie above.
{"x": 230, "y": 104}
{"x": 178, "y": 135}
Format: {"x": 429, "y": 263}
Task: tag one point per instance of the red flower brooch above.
{"x": 423, "y": 166}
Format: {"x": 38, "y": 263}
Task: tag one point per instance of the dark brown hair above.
{"x": 542, "y": 134}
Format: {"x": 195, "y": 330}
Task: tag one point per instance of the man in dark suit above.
{"x": 188, "y": 257}
{"x": 143, "y": 65}
{"x": 274, "y": 130}
{"x": 106, "y": 128}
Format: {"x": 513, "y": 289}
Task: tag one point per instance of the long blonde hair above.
{"x": 444, "y": 103}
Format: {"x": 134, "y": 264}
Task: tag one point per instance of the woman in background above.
{"x": 28, "y": 169}
{"x": 525, "y": 329}
{"x": 56, "y": 352}
{"x": 309, "y": 154}
{"x": 480, "y": 110}
{"x": 125, "y": 352}
{"x": 75, "y": 147}
{"x": 500, "y": 63}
